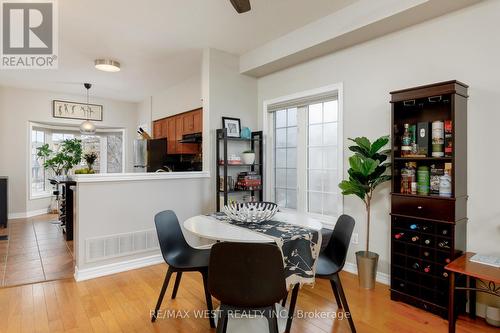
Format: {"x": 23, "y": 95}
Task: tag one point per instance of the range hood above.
{"x": 191, "y": 138}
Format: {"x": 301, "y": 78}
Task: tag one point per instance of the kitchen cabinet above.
{"x": 171, "y": 142}
{"x": 174, "y": 127}
{"x": 157, "y": 129}
{"x": 188, "y": 123}
{"x": 198, "y": 121}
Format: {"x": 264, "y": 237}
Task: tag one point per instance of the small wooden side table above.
{"x": 489, "y": 282}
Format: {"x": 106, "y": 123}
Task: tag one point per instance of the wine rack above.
{"x": 428, "y": 231}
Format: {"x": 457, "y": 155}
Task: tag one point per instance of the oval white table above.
{"x": 210, "y": 228}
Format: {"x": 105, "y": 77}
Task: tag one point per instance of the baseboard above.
{"x": 381, "y": 277}
{"x": 95, "y": 272}
{"x": 26, "y": 215}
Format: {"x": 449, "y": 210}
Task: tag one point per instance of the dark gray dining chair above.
{"x": 180, "y": 257}
{"x": 247, "y": 277}
{"x": 330, "y": 262}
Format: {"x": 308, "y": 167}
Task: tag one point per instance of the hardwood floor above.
{"x": 35, "y": 251}
{"x": 122, "y": 303}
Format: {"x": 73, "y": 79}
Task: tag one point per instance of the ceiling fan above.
{"x": 241, "y": 6}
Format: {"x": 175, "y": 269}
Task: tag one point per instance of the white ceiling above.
{"x": 158, "y": 42}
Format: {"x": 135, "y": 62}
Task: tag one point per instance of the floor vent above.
{"x": 101, "y": 248}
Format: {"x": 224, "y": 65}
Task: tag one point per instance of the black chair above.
{"x": 180, "y": 257}
{"x": 330, "y": 262}
{"x": 247, "y": 277}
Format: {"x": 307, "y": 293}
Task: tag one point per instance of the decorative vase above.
{"x": 367, "y": 263}
{"x": 248, "y": 158}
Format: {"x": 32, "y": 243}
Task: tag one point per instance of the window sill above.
{"x": 326, "y": 222}
{"x": 40, "y": 196}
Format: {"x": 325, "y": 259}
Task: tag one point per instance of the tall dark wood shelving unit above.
{"x": 255, "y": 141}
{"x": 438, "y": 218}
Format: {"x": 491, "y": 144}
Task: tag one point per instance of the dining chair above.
{"x": 247, "y": 278}
{"x": 180, "y": 257}
{"x": 330, "y": 262}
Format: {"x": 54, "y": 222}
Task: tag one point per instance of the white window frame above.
{"x": 268, "y": 129}
{"x": 32, "y": 125}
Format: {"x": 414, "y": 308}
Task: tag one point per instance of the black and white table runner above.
{"x": 300, "y": 246}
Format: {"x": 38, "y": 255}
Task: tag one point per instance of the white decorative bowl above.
{"x": 251, "y": 211}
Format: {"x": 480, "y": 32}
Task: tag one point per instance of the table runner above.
{"x": 299, "y": 246}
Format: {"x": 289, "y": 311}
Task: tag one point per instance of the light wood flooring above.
{"x": 35, "y": 251}
{"x": 122, "y": 303}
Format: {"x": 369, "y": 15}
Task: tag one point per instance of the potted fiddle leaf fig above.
{"x": 368, "y": 169}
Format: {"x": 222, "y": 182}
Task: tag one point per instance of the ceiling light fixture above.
{"x": 87, "y": 127}
{"x": 107, "y": 65}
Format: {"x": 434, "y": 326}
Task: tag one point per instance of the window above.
{"x": 38, "y": 181}
{"x": 307, "y": 155}
{"x": 322, "y": 151}
{"x": 107, "y": 145}
{"x": 285, "y": 152}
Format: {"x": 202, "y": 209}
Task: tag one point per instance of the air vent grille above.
{"x": 101, "y": 248}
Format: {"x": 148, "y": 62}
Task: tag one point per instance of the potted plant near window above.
{"x": 368, "y": 169}
{"x": 90, "y": 159}
{"x": 60, "y": 162}
{"x": 248, "y": 157}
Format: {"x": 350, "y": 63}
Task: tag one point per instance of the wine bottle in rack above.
{"x": 427, "y": 269}
{"x": 415, "y": 238}
{"x": 427, "y": 241}
{"x": 445, "y": 274}
{"x": 426, "y": 254}
{"x": 444, "y": 232}
{"x": 399, "y": 235}
{"x": 414, "y": 227}
{"x": 416, "y": 266}
{"x": 444, "y": 244}
{"x": 447, "y": 260}
{"x": 425, "y": 227}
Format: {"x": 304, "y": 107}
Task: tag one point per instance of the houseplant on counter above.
{"x": 90, "y": 159}
{"x": 368, "y": 169}
{"x": 64, "y": 159}
{"x": 248, "y": 157}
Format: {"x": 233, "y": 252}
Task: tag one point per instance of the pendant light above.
{"x": 87, "y": 127}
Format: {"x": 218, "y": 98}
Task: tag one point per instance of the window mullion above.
{"x": 302, "y": 162}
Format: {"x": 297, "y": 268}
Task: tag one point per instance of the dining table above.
{"x": 216, "y": 228}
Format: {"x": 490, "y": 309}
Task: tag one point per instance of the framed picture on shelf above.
{"x": 233, "y": 127}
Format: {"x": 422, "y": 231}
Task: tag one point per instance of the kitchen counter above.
{"x": 117, "y": 177}
{"x": 114, "y": 216}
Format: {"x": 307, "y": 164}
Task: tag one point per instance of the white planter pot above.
{"x": 248, "y": 158}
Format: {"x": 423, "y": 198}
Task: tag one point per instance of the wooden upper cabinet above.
{"x": 198, "y": 121}
{"x": 188, "y": 123}
{"x": 171, "y": 136}
{"x": 174, "y": 127}
{"x": 157, "y": 129}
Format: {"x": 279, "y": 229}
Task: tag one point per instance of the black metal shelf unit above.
{"x": 222, "y": 165}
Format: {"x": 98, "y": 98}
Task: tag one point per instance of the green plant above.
{"x": 90, "y": 159}
{"x": 368, "y": 169}
{"x": 249, "y": 151}
{"x": 68, "y": 155}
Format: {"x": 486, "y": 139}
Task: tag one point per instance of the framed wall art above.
{"x": 75, "y": 110}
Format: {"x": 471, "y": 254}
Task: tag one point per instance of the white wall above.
{"x": 226, "y": 93}
{"x": 182, "y": 97}
{"x": 465, "y": 46}
{"x": 20, "y": 106}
